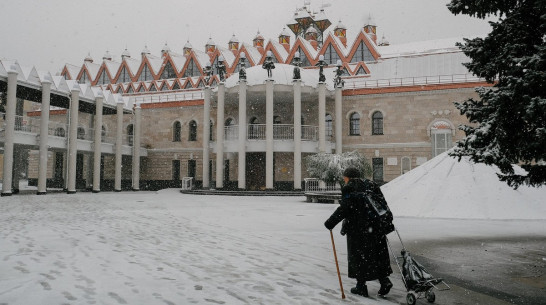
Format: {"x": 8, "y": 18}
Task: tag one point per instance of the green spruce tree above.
{"x": 508, "y": 121}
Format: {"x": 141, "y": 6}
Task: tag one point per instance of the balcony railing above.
{"x": 280, "y": 132}
{"x": 359, "y": 83}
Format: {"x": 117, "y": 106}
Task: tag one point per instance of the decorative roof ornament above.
{"x": 107, "y": 56}
{"x": 125, "y": 54}
{"x": 187, "y": 48}
{"x": 258, "y": 41}
{"x": 165, "y": 49}
{"x": 383, "y": 42}
{"x": 88, "y": 58}
{"x": 145, "y": 51}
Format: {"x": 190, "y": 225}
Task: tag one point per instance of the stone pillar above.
{"x": 242, "y": 135}
{"x": 119, "y": 143}
{"x": 9, "y": 132}
{"x": 297, "y": 134}
{"x": 136, "y": 148}
{"x": 206, "y": 139}
{"x": 73, "y": 139}
{"x": 220, "y": 137}
{"x": 44, "y": 128}
{"x": 97, "y": 143}
{"x": 269, "y": 171}
{"x": 322, "y": 116}
{"x": 339, "y": 122}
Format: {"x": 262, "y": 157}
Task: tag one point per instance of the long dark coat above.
{"x": 367, "y": 251}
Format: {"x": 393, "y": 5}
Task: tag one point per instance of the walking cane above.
{"x": 337, "y": 266}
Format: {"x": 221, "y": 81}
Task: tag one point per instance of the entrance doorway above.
{"x": 255, "y": 171}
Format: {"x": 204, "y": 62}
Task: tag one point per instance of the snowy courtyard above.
{"x": 171, "y": 248}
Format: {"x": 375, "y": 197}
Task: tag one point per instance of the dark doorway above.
{"x": 226, "y": 172}
{"x": 176, "y": 170}
{"x": 58, "y": 171}
{"x": 255, "y": 171}
{"x": 80, "y": 183}
{"x": 192, "y": 168}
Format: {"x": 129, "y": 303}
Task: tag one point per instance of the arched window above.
{"x": 193, "y": 131}
{"x": 177, "y": 132}
{"x": 329, "y": 131}
{"x": 377, "y": 123}
{"x": 60, "y": 132}
{"x": 81, "y": 133}
{"x": 354, "y": 124}
{"x": 406, "y": 165}
{"x": 440, "y": 137}
{"x": 130, "y": 134}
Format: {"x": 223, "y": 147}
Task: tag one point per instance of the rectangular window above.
{"x": 192, "y": 168}
{"x": 176, "y": 170}
{"x": 377, "y": 164}
{"x": 441, "y": 142}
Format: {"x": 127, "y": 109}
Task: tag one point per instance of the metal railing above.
{"x": 359, "y": 83}
{"x": 170, "y": 97}
{"x": 317, "y": 185}
{"x": 280, "y": 132}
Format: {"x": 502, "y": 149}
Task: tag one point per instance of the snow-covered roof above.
{"x": 420, "y": 48}
{"x": 31, "y": 77}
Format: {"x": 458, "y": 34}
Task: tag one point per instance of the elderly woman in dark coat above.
{"x": 368, "y": 254}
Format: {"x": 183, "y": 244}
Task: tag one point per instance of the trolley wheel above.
{"x": 431, "y": 297}
{"x": 410, "y": 299}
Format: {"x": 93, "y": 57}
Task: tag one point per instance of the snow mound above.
{"x": 446, "y": 188}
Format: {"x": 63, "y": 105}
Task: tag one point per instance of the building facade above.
{"x": 199, "y": 118}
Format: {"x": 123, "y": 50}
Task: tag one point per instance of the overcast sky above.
{"x": 48, "y": 34}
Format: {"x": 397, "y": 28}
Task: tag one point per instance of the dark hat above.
{"x": 351, "y": 172}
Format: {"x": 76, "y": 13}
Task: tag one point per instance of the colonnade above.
{"x": 269, "y": 100}
{"x": 72, "y": 148}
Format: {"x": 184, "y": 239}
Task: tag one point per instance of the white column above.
{"x": 44, "y": 127}
{"x": 339, "y": 122}
{"x": 322, "y": 116}
{"x": 220, "y": 137}
{"x": 119, "y": 143}
{"x": 269, "y": 134}
{"x": 206, "y": 139}
{"x": 136, "y": 147}
{"x": 9, "y": 132}
{"x": 72, "y": 139}
{"x": 242, "y": 135}
{"x": 97, "y": 143}
{"x": 297, "y": 134}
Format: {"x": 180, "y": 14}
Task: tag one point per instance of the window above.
{"x": 145, "y": 74}
{"x": 210, "y": 131}
{"x": 377, "y": 164}
{"x": 329, "y": 132}
{"x": 176, "y": 170}
{"x": 59, "y": 132}
{"x": 193, "y": 131}
{"x": 176, "y": 86}
{"x": 253, "y": 129}
{"x": 84, "y": 79}
{"x": 354, "y": 124}
{"x": 103, "y": 78}
{"x": 153, "y": 87}
{"x": 440, "y": 134}
{"x": 360, "y": 71}
{"x": 303, "y": 58}
{"x": 164, "y": 87}
{"x": 192, "y": 168}
{"x": 130, "y": 90}
{"x": 406, "y": 165}
{"x": 130, "y": 134}
{"x": 168, "y": 71}
{"x": 177, "y": 132}
{"x": 188, "y": 85}
{"x": 362, "y": 53}
{"x": 142, "y": 88}
{"x": 124, "y": 76}
{"x": 377, "y": 123}
{"x": 81, "y": 133}
{"x": 331, "y": 56}
{"x": 191, "y": 69}
{"x": 103, "y": 133}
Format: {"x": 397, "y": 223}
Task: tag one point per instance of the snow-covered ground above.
{"x": 168, "y": 248}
